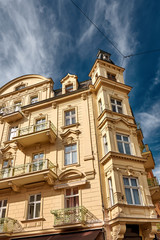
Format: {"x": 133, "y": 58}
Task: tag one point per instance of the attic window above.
{"x": 69, "y": 88}
{"x": 20, "y": 87}
{"x": 111, "y": 76}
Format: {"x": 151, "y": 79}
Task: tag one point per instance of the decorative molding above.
{"x": 118, "y": 231}
{"x": 70, "y": 184}
{"x": 14, "y": 187}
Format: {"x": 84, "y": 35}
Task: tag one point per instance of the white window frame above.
{"x": 17, "y": 106}
{"x": 70, "y": 154}
{"x": 123, "y": 143}
{"x": 12, "y": 132}
{"x": 3, "y": 207}
{"x": 33, "y": 99}
{"x": 100, "y": 106}
{"x": 71, "y": 197}
{"x": 34, "y": 204}
{"x": 111, "y": 191}
{"x": 131, "y": 190}
{"x": 116, "y": 105}
{"x": 70, "y": 117}
{"x": 105, "y": 144}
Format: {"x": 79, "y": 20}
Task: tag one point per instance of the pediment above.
{"x": 69, "y": 133}
{"x": 71, "y": 174}
{"x": 69, "y": 77}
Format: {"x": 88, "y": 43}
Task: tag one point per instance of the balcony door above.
{"x": 13, "y": 132}
{"x": 40, "y": 124}
{"x": 7, "y": 168}
{"x": 3, "y": 206}
{"x": 38, "y": 161}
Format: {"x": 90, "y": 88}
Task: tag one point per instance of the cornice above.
{"x": 113, "y": 155}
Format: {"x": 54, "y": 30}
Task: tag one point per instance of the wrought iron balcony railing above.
{"x": 27, "y": 168}
{"x": 35, "y": 128}
{"x": 153, "y": 182}
{"x": 9, "y": 225}
{"x": 12, "y": 109}
{"x": 71, "y": 216}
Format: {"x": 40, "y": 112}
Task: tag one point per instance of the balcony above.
{"x": 38, "y": 133}
{"x": 154, "y": 189}
{"x": 146, "y": 153}
{"x": 12, "y": 114}
{"x": 8, "y": 226}
{"x": 35, "y": 172}
{"x": 72, "y": 217}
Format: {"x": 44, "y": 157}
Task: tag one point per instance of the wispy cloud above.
{"x": 117, "y": 27}
{"x": 156, "y": 79}
{"x": 150, "y": 120}
{"x": 29, "y": 43}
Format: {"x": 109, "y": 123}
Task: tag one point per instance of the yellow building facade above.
{"x": 71, "y": 160}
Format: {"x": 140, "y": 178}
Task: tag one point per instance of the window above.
{"x": 17, "y": 106}
{"x": 20, "y": 87}
{"x": 7, "y": 168}
{"x": 13, "y": 132}
{"x": 69, "y": 88}
{"x": 123, "y": 144}
{"x": 71, "y": 198}
{"x": 70, "y": 154}
{"x": 116, "y": 105}
{"x": 3, "y": 206}
{"x": 34, "y": 99}
{"x": 100, "y": 106}
{"x": 111, "y": 191}
{"x": 38, "y": 161}
{"x": 34, "y": 206}
{"x": 132, "y": 190}
{"x": 111, "y": 76}
{"x": 105, "y": 144}
{"x": 40, "y": 124}
{"x": 70, "y": 117}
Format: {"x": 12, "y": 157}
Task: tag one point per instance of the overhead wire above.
{"x": 109, "y": 40}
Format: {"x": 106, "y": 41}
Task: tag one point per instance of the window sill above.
{"x": 33, "y": 220}
{"x": 71, "y": 165}
{"x": 71, "y": 125}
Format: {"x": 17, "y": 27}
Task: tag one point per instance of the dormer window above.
{"x": 34, "y": 99}
{"x": 69, "y": 88}
{"x": 111, "y": 76}
{"x": 20, "y": 87}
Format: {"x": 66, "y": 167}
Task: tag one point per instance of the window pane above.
{"x": 76, "y": 201}
{"x": 4, "y": 203}
{"x": 133, "y": 182}
{"x": 119, "y": 110}
{"x": 67, "y": 113}
{"x": 3, "y": 213}
{"x": 120, "y": 147}
{"x": 112, "y": 101}
{"x": 75, "y": 191}
{"x": 67, "y": 122}
{"x": 118, "y": 103}
{"x": 118, "y": 137}
{"x": 5, "y": 164}
{"x": 31, "y": 211}
{"x": 113, "y": 108}
{"x": 73, "y": 120}
{"x": 0, "y": 204}
{"x": 125, "y": 138}
{"x": 67, "y": 149}
{"x": 136, "y": 196}
{"x": 127, "y": 148}
{"x": 37, "y": 210}
{"x": 32, "y": 198}
{"x": 68, "y": 192}
{"x": 126, "y": 181}
{"x": 67, "y": 158}
{"x": 73, "y": 112}
{"x": 128, "y": 196}
{"x": 74, "y": 147}
{"x": 74, "y": 157}
{"x": 38, "y": 197}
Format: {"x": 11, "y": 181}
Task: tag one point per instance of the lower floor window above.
{"x": 71, "y": 198}
{"x": 34, "y": 206}
{"x": 3, "y": 206}
{"x": 70, "y": 154}
{"x": 132, "y": 190}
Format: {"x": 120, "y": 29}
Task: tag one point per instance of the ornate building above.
{"x": 71, "y": 160}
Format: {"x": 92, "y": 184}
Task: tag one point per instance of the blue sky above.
{"x": 53, "y": 38}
